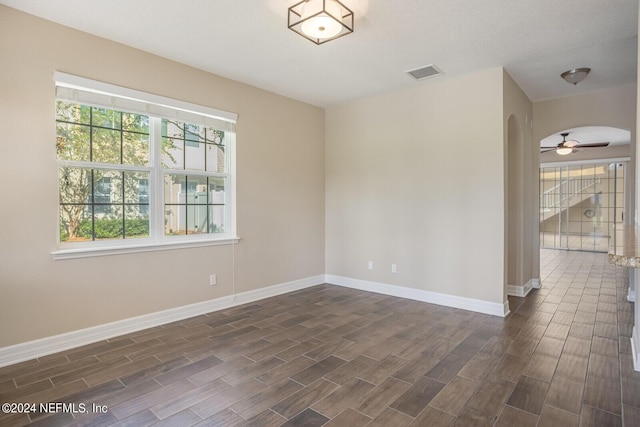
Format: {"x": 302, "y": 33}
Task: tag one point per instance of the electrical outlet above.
{"x": 213, "y": 280}
{"x": 394, "y": 268}
{"x": 370, "y": 265}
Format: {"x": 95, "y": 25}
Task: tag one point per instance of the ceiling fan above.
{"x": 571, "y": 146}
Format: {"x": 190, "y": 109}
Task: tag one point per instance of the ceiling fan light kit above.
{"x": 575, "y": 75}
{"x": 320, "y": 21}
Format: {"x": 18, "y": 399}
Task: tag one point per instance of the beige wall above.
{"x": 416, "y": 178}
{"x": 519, "y": 188}
{"x": 280, "y": 189}
{"x": 614, "y": 107}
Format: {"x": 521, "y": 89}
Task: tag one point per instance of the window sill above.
{"x": 136, "y": 248}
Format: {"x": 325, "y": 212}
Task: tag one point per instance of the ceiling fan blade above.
{"x": 547, "y": 149}
{"x": 594, "y": 145}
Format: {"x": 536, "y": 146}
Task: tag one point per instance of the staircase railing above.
{"x": 564, "y": 191}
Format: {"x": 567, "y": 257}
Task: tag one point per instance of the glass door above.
{"x": 580, "y": 204}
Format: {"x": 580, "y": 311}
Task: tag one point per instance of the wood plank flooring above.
{"x": 332, "y": 356}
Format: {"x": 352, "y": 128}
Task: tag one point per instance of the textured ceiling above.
{"x": 248, "y": 41}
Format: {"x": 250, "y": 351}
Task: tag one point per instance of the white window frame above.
{"x": 90, "y": 92}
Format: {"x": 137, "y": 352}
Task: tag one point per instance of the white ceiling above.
{"x": 248, "y": 41}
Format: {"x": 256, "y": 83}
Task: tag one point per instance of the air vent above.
{"x": 425, "y": 72}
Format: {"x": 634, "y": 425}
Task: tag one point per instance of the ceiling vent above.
{"x": 425, "y": 72}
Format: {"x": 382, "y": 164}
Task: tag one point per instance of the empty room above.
{"x": 319, "y": 213}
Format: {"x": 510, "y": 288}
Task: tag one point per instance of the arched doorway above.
{"x": 582, "y": 187}
{"x": 514, "y": 209}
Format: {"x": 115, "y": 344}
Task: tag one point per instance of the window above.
{"x": 99, "y": 197}
{"x": 137, "y": 171}
{"x": 193, "y": 203}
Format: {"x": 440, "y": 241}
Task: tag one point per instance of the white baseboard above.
{"x": 479, "y": 306}
{"x": 635, "y": 350}
{"x": 49, "y": 345}
{"x": 523, "y": 291}
{"x": 505, "y": 308}
{"x": 631, "y": 295}
{"x": 516, "y": 291}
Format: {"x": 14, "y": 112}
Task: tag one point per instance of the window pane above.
{"x": 175, "y": 220}
{"x": 109, "y": 224}
{"x": 175, "y": 199}
{"x": 106, "y": 146}
{"x": 175, "y": 187}
{"x": 136, "y": 223}
{"x": 189, "y": 204}
{"x": 190, "y": 146}
{"x": 75, "y": 185}
{"x": 215, "y": 150}
{"x": 135, "y": 149}
{"x": 101, "y": 215}
{"x": 197, "y": 190}
{"x": 172, "y": 153}
{"x": 192, "y": 134}
{"x": 136, "y": 188}
{"x": 107, "y": 188}
{"x": 196, "y": 219}
{"x": 106, "y": 118}
{"x": 135, "y": 123}
{"x": 73, "y": 220}
{"x": 215, "y": 158}
{"x": 216, "y": 191}
{"x": 72, "y": 142}
{"x": 216, "y": 219}
{"x": 172, "y": 129}
{"x": 194, "y": 157}
{"x": 76, "y": 113}
{"x": 213, "y": 136}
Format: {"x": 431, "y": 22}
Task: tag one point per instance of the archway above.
{"x": 514, "y": 209}
{"x": 583, "y": 190}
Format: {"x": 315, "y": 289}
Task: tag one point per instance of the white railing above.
{"x": 557, "y": 195}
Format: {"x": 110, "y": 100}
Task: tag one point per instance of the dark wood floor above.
{"x": 334, "y": 356}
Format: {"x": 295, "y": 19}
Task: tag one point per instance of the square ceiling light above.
{"x": 320, "y": 21}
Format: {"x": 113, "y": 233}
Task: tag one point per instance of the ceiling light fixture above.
{"x": 320, "y": 20}
{"x": 566, "y": 147}
{"x": 575, "y": 75}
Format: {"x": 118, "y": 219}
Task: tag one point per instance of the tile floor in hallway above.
{"x": 587, "y": 242}
{"x": 332, "y": 356}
